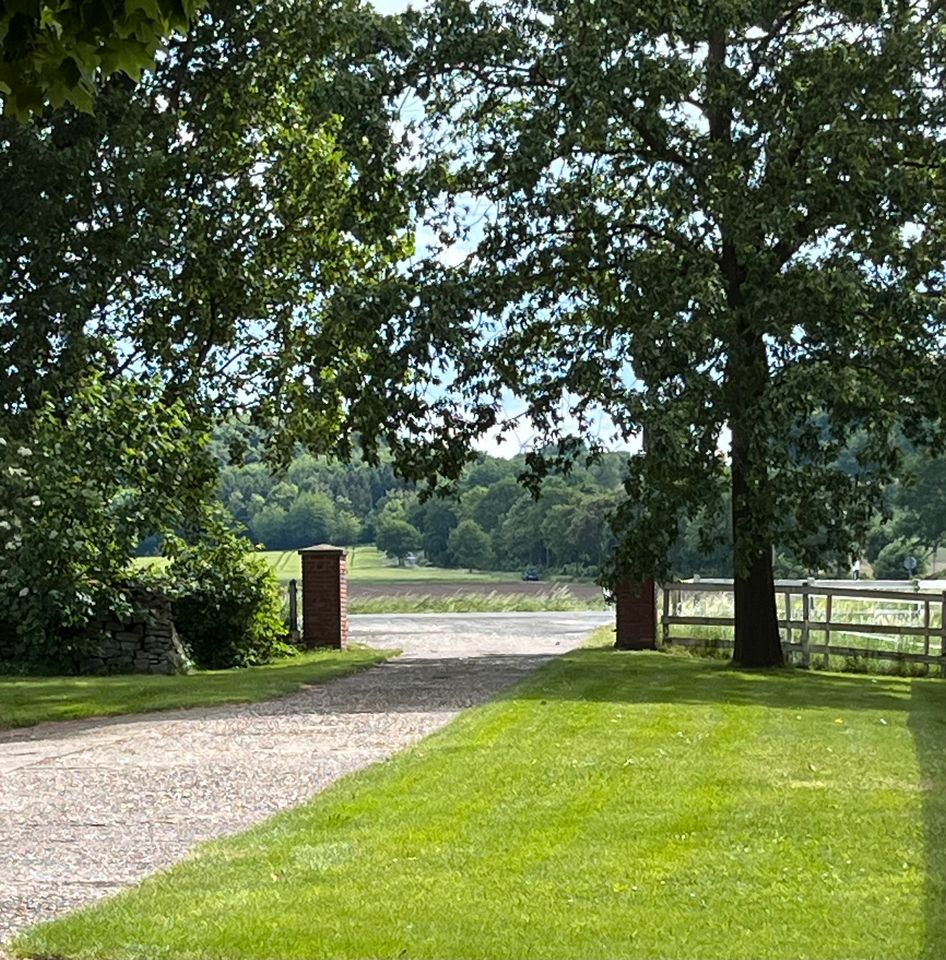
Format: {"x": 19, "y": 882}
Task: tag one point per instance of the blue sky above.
{"x": 519, "y": 438}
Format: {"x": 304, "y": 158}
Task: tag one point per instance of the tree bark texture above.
{"x": 757, "y": 640}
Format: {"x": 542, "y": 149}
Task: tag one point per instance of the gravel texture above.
{"x": 88, "y": 807}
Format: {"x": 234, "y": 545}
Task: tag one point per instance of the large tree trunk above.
{"x": 747, "y": 378}
{"x": 757, "y": 635}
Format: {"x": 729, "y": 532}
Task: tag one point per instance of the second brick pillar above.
{"x": 636, "y": 607}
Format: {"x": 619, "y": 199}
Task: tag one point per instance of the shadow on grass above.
{"x": 401, "y": 685}
{"x": 452, "y": 683}
{"x": 608, "y": 675}
{"x": 408, "y": 685}
{"x": 927, "y": 722}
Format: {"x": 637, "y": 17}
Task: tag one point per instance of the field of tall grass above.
{"x": 555, "y": 599}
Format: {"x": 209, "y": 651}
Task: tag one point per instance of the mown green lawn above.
{"x": 613, "y": 806}
{"x": 25, "y": 701}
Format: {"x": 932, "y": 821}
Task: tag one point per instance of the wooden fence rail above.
{"x": 819, "y": 619}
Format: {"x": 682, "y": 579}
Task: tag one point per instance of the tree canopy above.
{"x": 103, "y": 469}
{"x": 203, "y": 225}
{"x": 719, "y": 223}
{"x": 397, "y": 538}
{"x": 55, "y": 53}
{"x": 179, "y": 253}
{"x": 470, "y": 545}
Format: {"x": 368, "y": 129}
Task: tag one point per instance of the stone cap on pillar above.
{"x": 322, "y": 548}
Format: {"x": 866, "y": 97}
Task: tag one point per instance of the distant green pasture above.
{"x": 366, "y": 564}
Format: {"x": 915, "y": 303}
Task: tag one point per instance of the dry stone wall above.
{"x": 144, "y": 642}
{"x": 147, "y": 642}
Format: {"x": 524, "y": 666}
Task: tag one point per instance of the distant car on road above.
{"x": 531, "y": 574}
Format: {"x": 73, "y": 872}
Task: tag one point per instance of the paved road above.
{"x": 88, "y": 807}
{"x": 477, "y": 634}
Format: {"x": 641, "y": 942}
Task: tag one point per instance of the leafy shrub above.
{"x": 88, "y": 477}
{"x": 889, "y": 562}
{"x": 878, "y": 537}
{"x": 227, "y": 603}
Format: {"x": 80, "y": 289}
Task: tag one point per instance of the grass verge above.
{"x": 558, "y": 598}
{"x": 613, "y": 805}
{"x": 25, "y": 701}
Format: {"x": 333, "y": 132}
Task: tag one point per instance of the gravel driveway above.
{"x": 88, "y": 807}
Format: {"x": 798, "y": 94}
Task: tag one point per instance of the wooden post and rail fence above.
{"x": 907, "y": 623}
{"x": 900, "y": 622}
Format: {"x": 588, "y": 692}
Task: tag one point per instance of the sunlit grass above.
{"x": 613, "y": 806}
{"x": 366, "y": 564}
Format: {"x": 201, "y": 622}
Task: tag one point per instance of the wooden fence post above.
{"x": 942, "y": 643}
{"x": 293, "y": 611}
{"x": 805, "y": 628}
{"x": 665, "y": 619}
{"x": 673, "y": 610}
{"x": 926, "y": 636}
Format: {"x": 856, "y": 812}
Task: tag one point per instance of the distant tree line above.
{"x": 493, "y": 522}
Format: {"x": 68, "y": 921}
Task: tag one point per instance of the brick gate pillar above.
{"x": 636, "y": 607}
{"x": 324, "y": 596}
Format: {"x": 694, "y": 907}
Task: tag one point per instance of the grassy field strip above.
{"x": 366, "y": 564}
{"x": 870, "y": 641}
{"x": 714, "y": 638}
{"x": 557, "y": 598}
{"x": 633, "y": 806}
{"x": 907, "y": 610}
{"x": 25, "y": 701}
